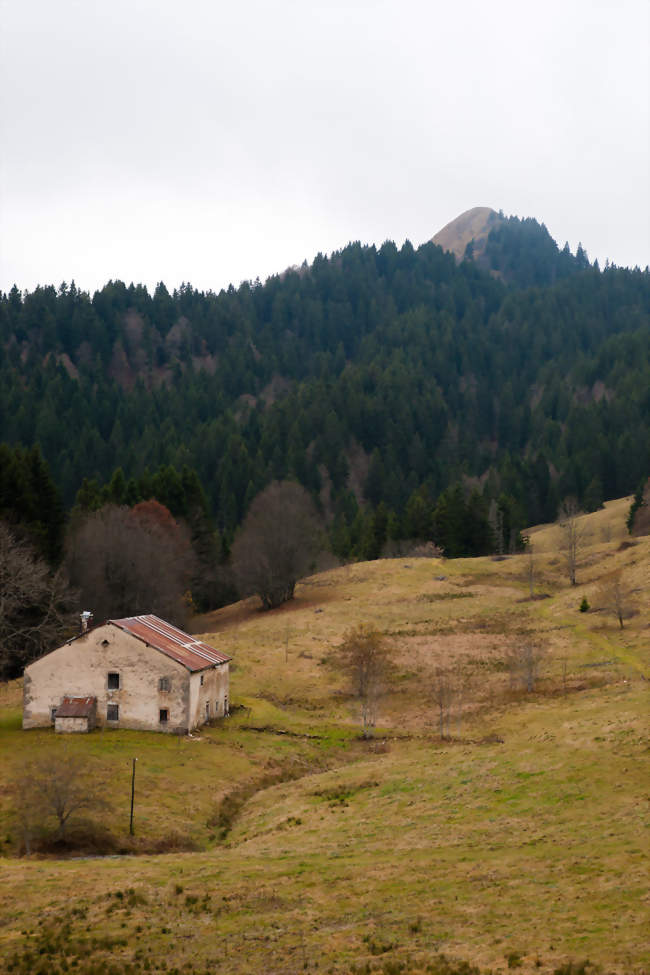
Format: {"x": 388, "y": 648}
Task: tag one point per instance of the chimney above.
{"x": 86, "y": 619}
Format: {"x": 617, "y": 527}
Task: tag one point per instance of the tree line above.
{"x": 369, "y": 376}
{"x": 415, "y": 399}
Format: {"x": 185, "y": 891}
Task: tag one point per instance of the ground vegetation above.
{"x": 283, "y": 835}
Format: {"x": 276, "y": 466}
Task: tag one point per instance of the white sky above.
{"x": 205, "y": 141}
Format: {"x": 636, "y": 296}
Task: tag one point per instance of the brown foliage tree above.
{"x": 155, "y": 516}
{"x": 364, "y": 657}
{"x": 277, "y": 544}
{"x": 35, "y": 604}
{"x": 126, "y": 562}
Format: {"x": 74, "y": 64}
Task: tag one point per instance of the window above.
{"x": 163, "y": 685}
{"x": 207, "y": 710}
{"x": 113, "y": 712}
{"x": 113, "y": 682}
{"x": 104, "y": 643}
{"x": 53, "y": 714}
{"x": 164, "y": 715}
{"x": 225, "y": 705}
{"x": 201, "y": 680}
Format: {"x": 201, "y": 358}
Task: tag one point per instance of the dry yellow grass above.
{"x": 605, "y": 526}
{"x": 472, "y": 615}
{"x": 473, "y": 224}
{"x": 524, "y": 838}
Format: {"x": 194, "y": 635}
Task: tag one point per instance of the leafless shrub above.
{"x": 450, "y": 689}
{"x": 411, "y": 548}
{"x": 615, "y": 597}
{"x": 364, "y": 656}
{"x": 443, "y": 693}
{"x": 530, "y": 568}
{"x": 524, "y": 661}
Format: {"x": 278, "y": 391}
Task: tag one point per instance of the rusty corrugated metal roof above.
{"x": 188, "y": 651}
{"x": 76, "y": 707}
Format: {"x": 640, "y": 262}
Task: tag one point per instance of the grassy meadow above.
{"x": 280, "y": 841}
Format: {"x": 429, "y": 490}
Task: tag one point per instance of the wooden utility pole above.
{"x": 132, "y": 796}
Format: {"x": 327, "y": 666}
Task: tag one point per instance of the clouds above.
{"x": 207, "y": 142}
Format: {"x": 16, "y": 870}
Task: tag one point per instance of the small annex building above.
{"x": 76, "y": 714}
{"x": 139, "y": 672}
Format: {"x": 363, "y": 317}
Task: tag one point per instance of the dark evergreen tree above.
{"x": 384, "y": 374}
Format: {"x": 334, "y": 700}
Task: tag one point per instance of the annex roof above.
{"x": 76, "y": 707}
{"x": 180, "y": 646}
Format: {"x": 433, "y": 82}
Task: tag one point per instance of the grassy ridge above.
{"x": 520, "y": 843}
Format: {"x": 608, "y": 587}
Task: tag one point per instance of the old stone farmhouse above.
{"x": 138, "y": 672}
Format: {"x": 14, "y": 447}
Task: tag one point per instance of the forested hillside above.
{"x": 405, "y": 390}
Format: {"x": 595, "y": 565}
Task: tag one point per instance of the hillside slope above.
{"x": 377, "y": 377}
{"x": 518, "y": 842}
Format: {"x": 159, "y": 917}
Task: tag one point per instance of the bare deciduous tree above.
{"x": 565, "y": 672}
{"x": 530, "y": 568}
{"x": 524, "y": 660}
{"x": 450, "y": 689}
{"x": 571, "y": 535}
{"x": 277, "y": 544}
{"x": 35, "y": 604}
{"x": 444, "y": 689}
{"x": 54, "y": 790}
{"x": 464, "y": 691}
{"x": 615, "y": 597}
{"x": 365, "y": 657}
{"x": 129, "y": 561}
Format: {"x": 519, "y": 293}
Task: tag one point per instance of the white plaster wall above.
{"x": 81, "y": 669}
{"x": 213, "y": 690}
{"x": 70, "y": 725}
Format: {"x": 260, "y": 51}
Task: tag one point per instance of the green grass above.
{"x": 179, "y": 781}
{"x": 522, "y": 847}
{"x": 520, "y": 844}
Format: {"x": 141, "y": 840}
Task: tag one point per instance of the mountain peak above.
{"x": 474, "y": 224}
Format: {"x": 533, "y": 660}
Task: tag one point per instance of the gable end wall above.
{"x": 81, "y": 669}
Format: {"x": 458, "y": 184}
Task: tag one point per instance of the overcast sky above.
{"x": 205, "y": 141}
